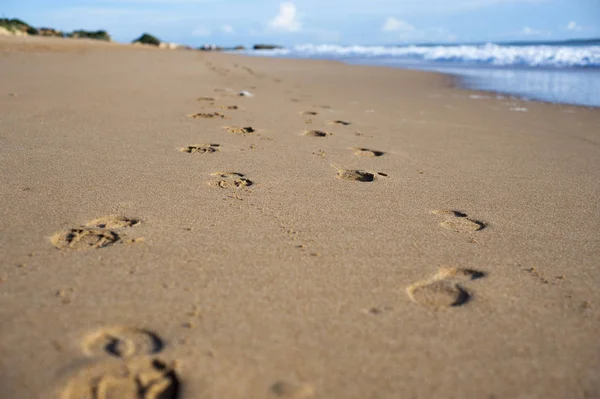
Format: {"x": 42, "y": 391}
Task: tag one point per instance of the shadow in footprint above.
{"x": 316, "y": 133}
{"x": 343, "y": 123}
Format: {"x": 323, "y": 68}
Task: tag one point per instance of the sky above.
{"x": 363, "y": 22}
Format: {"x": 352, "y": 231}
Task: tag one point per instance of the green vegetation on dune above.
{"x": 19, "y": 27}
{"x": 147, "y": 38}
{"x": 96, "y": 35}
{"x": 16, "y": 25}
{"x": 48, "y": 32}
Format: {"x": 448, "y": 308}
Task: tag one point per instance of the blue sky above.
{"x": 231, "y": 22}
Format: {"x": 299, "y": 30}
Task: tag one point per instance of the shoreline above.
{"x": 463, "y": 79}
{"x": 459, "y": 81}
{"x": 343, "y": 232}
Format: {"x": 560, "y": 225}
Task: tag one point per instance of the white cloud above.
{"x": 574, "y": 27}
{"x": 527, "y": 31}
{"x": 228, "y": 29}
{"x": 287, "y": 19}
{"x": 201, "y": 32}
{"x": 392, "y": 24}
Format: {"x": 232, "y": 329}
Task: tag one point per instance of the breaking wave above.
{"x": 559, "y": 56}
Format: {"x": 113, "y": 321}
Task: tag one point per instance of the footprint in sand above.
{"x": 357, "y": 175}
{"x": 209, "y": 99}
{"x": 122, "y": 342}
{"x": 459, "y": 221}
{"x": 310, "y": 113}
{"x": 133, "y": 375}
{"x": 97, "y": 233}
{"x": 84, "y": 239}
{"x": 316, "y": 133}
{"x": 201, "y": 149}
{"x": 366, "y": 152}
{"x": 229, "y": 107}
{"x": 239, "y": 129}
{"x": 343, "y": 123}
{"x": 443, "y": 290}
{"x": 138, "y": 378}
{"x": 292, "y": 390}
{"x": 231, "y": 180}
{"x": 206, "y": 115}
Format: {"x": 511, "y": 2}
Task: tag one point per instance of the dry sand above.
{"x": 434, "y": 245}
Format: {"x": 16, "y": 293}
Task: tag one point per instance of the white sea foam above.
{"x": 492, "y": 54}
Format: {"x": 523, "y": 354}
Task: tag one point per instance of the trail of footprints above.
{"x": 124, "y": 363}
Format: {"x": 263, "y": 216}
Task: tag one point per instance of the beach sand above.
{"x": 377, "y": 233}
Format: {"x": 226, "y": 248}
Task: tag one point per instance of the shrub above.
{"x": 96, "y": 35}
{"x": 266, "y": 47}
{"x": 147, "y": 38}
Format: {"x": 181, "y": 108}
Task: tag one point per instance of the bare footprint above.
{"x": 84, "y": 239}
{"x": 229, "y": 107}
{"x": 292, "y": 390}
{"x": 122, "y": 342}
{"x": 459, "y": 221}
{"x": 231, "y": 180}
{"x": 316, "y": 133}
{"x": 443, "y": 290}
{"x": 209, "y": 115}
{"x": 355, "y": 175}
{"x": 112, "y": 222}
{"x": 201, "y": 149}
{"x": 365, "y": 152}
{"x": 343, "y": 123}
{"x": 139, "y": 378}
{"x": 239, "y": 129}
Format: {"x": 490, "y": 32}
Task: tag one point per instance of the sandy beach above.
{"x": 341, "y": 232}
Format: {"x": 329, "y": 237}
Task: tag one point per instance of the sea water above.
{"x": 564, "y": 72}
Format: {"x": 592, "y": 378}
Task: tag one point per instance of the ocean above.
{"x": 560, "y": 72}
